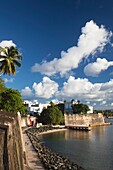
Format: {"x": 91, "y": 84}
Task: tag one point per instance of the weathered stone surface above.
{"x": 83, "y": 119}
{"x": 11, "y": 150}
{"x": 2, "y": 136}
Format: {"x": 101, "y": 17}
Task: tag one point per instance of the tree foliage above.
{"x": 9, "y": 59}
{"x": 61, "y": 107}
{"x": 11, "y": 101}
{"x": 80, "y": 108}
{"x": 2, "y": 86}
{"x": 51, "y": 115}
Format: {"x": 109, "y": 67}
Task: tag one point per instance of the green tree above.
{"x": 51, "y": 115}
{"x": 2, "y": 86}
{"x": 9, "y": 59}
{"x": 51, "y": 104}
{"x": 80, "y": 108}
{"x": 11, "y": 101}
{"x": 61, "y": 107}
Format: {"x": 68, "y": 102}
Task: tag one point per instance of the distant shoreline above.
{"x": 52, "y": 131}
{"x": 110, "y": 117}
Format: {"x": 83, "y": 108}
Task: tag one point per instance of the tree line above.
{"x": 54, "y": 114}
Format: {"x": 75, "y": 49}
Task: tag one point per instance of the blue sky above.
{"x": 67, "y": 48}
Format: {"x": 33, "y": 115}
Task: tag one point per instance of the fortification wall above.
{"x": 83, "y": 119}
{"x": 11, "y": 147}
{"x": 24, "y": 121}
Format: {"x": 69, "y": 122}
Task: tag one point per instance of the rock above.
{"x": 50, "y": 159}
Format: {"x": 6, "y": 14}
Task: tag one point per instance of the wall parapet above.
{"x": 83, "y": 119}
{"x": 11, "y": 147}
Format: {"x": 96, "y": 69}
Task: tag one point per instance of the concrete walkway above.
{"x": 32, "y": 158}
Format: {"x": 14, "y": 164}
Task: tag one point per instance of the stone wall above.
{"x": 11, "y": 147}
{"x": 83, "y": 119}
{"x": 24, "y": 121}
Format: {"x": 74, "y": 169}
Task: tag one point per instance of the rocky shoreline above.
{"x": 50, "y": 159}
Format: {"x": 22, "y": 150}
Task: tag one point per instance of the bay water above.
{"x": 93, "y": 150}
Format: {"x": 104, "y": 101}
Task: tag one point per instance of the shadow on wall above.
{"x": 11, "y": 147}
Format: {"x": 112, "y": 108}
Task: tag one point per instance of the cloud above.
{"x": 7, "y": 43}
{"x": 88, "y": 102}
{"x": 56, "y": 101}
{"x": 8, "y": 80}
{"x": 80, "y": 88}
{"x": 103, "y": 103}
{"x": 45, "y": 89}
{"x": 83, "y": 89}
{"x": 26, "y": 92}
{"x": 92, "y": 39}
{"x": 74, "y": 88}
{"x": 108, "y": 86}
{"x": 93, "y": 69}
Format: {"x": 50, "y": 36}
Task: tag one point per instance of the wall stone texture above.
{"x": 11, "y": 148}
{"x": 83, "y": 119}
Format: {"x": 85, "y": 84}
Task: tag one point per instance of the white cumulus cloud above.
{"x": 7, "y": 43}
{"x": 27, "y": 92}
{"x": 83, "y": 89}
{"x": 80, "y": 88}
{"x": 74, "y": 88}
{"x": 45, "y": 89}
{"x": 8, "y": 80}
{"x": 93, "y": 69}
{"x": 92, "y": 39}
{"x": 108, "y": 86}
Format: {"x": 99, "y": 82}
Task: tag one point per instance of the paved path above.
{"x": 33, "y": 161}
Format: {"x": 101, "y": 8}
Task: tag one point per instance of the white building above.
{"x": 91, "y": 109}
{"x": 35, "y": 107}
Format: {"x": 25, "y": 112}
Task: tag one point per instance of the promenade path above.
{"x": 34, "y": 162}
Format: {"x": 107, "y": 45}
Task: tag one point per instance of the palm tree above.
{"x": 9, "y": 59}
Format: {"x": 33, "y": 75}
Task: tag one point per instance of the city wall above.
{"x": 12, "y": 155}
{"x": 83, "y": 119}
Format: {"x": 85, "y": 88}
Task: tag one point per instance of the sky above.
{"x": 67, "y": 49}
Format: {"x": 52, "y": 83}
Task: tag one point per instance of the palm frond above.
{"x": 9, "y": 60}
{"x": 16, "y": 63}
{"x": 13, "y": 68}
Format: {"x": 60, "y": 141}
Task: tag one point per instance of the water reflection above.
{"x": 81, "y": 135}
{"x": 92, "y": 150}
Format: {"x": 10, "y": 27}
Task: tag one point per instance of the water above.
{"x": 92, "y": 150}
